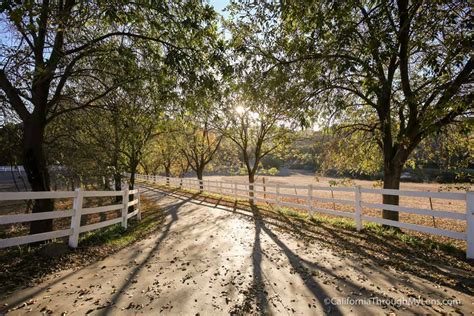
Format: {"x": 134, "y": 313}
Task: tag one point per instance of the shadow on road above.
{"x": 367, "y": 246}
{"x": 171, "y": 210}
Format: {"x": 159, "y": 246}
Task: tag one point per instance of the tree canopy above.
{"x": 107, "y": 87}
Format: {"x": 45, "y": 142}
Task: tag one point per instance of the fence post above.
{"x": 235, "y": 190}
{"x": 358, "y": 208}
{"x": 125, "y": 208}
{"x": 310, "y": 198}
{"x": 139, "y": 213}
{"x": 470, "y": 224}
{"x": 76, "y": 218}
{"x": 278, "y": 194}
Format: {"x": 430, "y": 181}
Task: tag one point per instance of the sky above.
{"x": 219, "y": 5}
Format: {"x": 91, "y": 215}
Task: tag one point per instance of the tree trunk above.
{"x": 34, "y": 162}
{"x": 118, "y": 185}
{"x": 199, "y": 173}
{"x": 167, "y": 174}
{"x": 133, "y": 171}
{"x": 391, "y": 180}
{"x": 251, "y": 186}
{"x": 132, "y": 180}
{"x": 118, "y": 181}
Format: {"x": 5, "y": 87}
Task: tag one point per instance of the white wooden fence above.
{"x": 75, "y": 213}
{"x": 241, "y": 190}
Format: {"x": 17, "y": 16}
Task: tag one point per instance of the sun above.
{"x": 240, "y": 109}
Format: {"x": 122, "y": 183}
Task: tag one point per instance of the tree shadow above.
{"x": 367, "y": 246}
{"x": 265, "y": 223}
{"x": 172, "y": 210}
{"x": 389, "y": 253}
{"x": 317, "y": 291}
{"x": 256, "y": 293}
{"x": 217, "y": 202}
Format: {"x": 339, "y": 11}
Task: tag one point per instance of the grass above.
{"x": 414, "y": 241}
{"x": 108, "y": 235}
{"x": 374, "y": 229}
{"x": 119, "y": 237}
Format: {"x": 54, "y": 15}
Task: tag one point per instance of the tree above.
{"x": 44, "y": 66}
{"x": 79, "y": 144}
{"x": 446, "y": 153}
{"x": 168, "y": 153}
{"x": 201, "y": 141}
{"x": 450, "y": 149}
{"x": 261, "y": 109}
{"x": 151, "y": 161}
{"x": 140, "y": 126}
{"x": 397, "y": 70}
{"x": 256, "y": 124}
{"x": 163, "y": 153}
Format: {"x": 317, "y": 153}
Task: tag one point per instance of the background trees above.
{"x": 162, "y": 154}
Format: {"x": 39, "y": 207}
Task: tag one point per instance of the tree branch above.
{"x": 13, "y": 96}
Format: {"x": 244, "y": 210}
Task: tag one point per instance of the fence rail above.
{"x": 243, "y": 190}
{"x": 75, "y": 213}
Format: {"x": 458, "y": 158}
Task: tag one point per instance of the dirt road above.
{"x": 214, "y": 260}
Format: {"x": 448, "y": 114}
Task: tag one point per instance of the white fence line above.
{"x": 235, "y": 189}
{"x": 75, "y": 214}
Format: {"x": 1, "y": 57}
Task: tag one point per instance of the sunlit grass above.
{"x": 119, "y": 237}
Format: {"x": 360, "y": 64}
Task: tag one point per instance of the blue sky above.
{"x": 219, "y": 5}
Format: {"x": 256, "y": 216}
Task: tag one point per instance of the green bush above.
{"x": 273, "y": 171}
